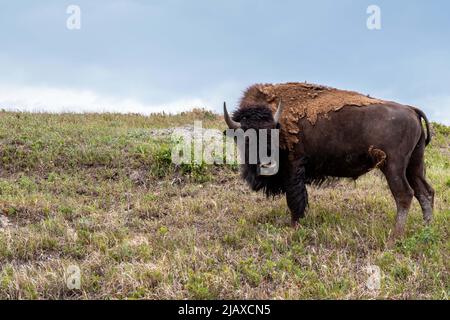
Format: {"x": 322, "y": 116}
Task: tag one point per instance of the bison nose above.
{"x": 267, "y": 169}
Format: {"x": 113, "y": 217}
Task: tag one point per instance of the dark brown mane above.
{"x": 261, "y": 112}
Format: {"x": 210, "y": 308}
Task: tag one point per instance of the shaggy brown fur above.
{"x": 302, "y": 100}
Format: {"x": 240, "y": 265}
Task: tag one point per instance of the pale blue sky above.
{"x": 147, "y": 56}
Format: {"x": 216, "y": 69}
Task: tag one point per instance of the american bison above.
{"x": 325, "y": 133}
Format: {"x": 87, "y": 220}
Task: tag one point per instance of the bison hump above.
{"x": 302, "y": 100}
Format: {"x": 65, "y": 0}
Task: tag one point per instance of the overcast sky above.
{"x": 172, "y": 55}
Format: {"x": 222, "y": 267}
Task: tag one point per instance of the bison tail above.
{"x": 421, "y": 116}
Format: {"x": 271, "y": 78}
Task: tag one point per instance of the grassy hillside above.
{"x": 98, "y": 191}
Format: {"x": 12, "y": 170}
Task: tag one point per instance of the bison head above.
{"x": 260, "y": 129}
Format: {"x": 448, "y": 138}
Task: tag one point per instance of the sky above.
{"x": 173, "y": 55}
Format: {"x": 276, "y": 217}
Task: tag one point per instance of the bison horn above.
{"x": 230, "y": 122}
{"x": 277, "y": 116}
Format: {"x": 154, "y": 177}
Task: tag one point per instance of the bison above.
{"x": 329, "y": 133}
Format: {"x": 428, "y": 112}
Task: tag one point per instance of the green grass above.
{"x": 99, "y": 191}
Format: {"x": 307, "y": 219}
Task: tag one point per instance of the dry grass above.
{"x": 97, "y": 191}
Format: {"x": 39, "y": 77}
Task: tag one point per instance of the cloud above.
{"x": 56, "y": 100}
{"x": 48, "y": 99}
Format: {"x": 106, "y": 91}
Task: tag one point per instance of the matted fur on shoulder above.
{"x": 302, "y": 100}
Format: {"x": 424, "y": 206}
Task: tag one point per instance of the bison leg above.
{"x": 395, "y": 173}
{"x": 296, "y": 194}
{"x": 423, "y": 192}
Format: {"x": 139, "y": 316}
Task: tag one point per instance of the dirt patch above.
{"x": 302, "y": 100}
{"x": 21, "y": 215}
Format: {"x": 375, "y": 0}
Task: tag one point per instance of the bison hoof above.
{"x": 393, "y": 238}
{"x": 295, "y": 224}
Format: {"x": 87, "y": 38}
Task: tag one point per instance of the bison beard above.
{"x": 295, "y": 189}
{"x": 270, "y": 185}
